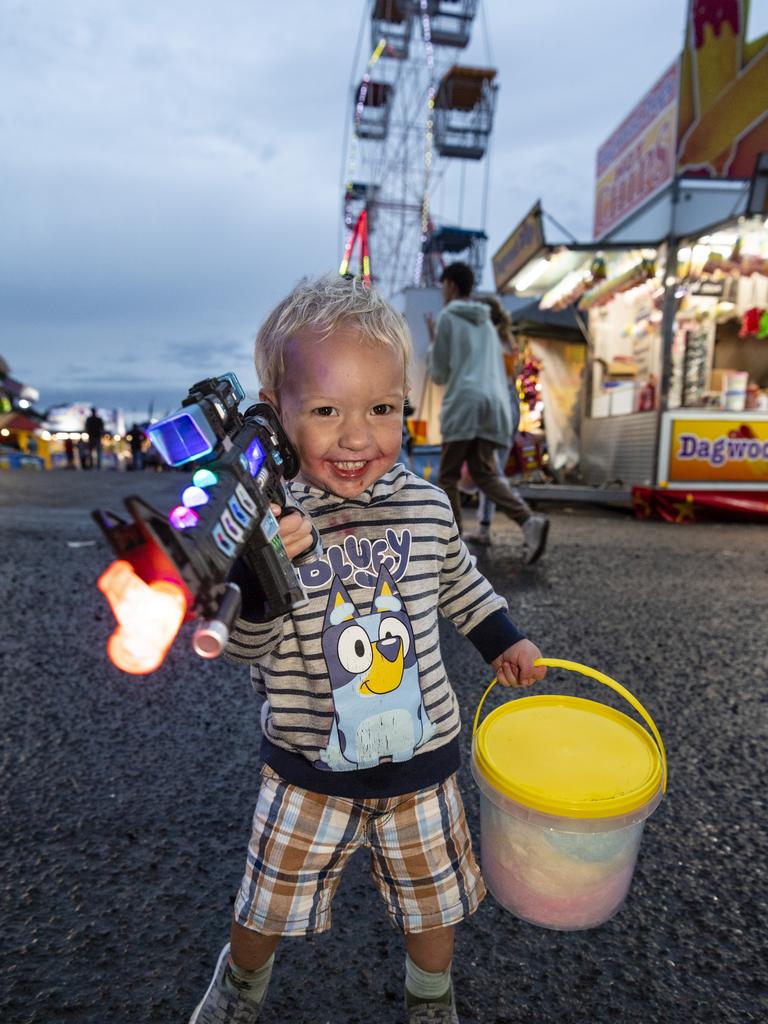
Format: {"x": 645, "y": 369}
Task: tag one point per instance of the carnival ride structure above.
{"x": 416, "y": 149}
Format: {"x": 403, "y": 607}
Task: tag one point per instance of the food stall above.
{"x": 23, "y": 445}
{"x": 673, "y": 290}
{"x": 701, "y": 301}
{"x": 547, "y": 444}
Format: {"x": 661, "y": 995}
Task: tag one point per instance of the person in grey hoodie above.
{"x": 476, "y": 416}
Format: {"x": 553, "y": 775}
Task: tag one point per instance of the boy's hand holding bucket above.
{"x": 515, "y": 666}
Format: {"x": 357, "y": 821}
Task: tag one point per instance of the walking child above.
{"x": 501, "y": 320}
{"x": 360, "y": 722}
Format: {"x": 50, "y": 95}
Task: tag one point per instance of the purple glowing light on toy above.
{"x": 183, "y": 518}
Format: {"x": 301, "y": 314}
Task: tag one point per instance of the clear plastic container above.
{"x": 566, "y": 785}
{"x": 556, "y": 872}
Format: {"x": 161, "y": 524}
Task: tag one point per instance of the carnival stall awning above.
{"x": 562, "y": 272}
{"x": 560, "y": 324}
{"x": 16, "y": 421}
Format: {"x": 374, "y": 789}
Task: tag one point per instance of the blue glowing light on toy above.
{"x": 255, "y": 455}
{"x": 185, "y": 436}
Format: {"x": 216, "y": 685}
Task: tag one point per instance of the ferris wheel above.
{"x": 418, "y": 130}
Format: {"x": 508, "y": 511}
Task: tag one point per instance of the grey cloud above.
{"x": 124, "y": 381}
{"x": 204, "y": 351}
{"x": 150, "y": 57}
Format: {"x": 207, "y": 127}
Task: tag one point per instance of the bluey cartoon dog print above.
{"x": 378, "y": 706}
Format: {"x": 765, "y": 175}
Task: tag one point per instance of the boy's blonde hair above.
{"x": 323, "y": 304}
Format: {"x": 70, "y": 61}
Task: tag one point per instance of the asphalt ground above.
{"x": 126, "y": 803}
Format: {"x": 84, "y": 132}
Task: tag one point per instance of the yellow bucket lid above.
{"x": 568, "y": 756}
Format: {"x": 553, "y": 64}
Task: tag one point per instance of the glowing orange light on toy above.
{"x": 148, "y": 617}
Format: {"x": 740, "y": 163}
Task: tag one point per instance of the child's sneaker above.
{"x": 432, "y": 1013}
{"x": 225, "y": 1002}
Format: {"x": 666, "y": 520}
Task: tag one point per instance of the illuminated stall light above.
{"x": 531, "y": 274}
{"x": 636, "y": 275}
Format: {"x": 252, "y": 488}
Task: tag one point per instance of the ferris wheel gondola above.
{"x": 421, "y": 124}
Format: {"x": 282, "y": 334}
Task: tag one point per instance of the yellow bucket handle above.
{"x": 585, "y": 670}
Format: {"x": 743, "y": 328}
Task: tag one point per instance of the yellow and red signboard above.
{"x": 707, "y": 115}
{"x": 639, "y": 158}
{"x": 717, "y": 451}
{"x": 723, "y": 121}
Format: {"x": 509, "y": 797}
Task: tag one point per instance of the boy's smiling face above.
{"x": 341, "y": 403}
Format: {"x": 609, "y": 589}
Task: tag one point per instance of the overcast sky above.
{"x": 170, "y": 168}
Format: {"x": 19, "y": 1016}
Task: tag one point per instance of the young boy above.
{"x": 360, "y": 723}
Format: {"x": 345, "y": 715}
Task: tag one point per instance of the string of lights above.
{"x": 428, "y": 139}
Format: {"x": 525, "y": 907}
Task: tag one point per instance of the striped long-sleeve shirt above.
{"x": 358, "y": 701}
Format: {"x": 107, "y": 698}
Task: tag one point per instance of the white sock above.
{"x": 425, "y": 986}
{"x": 254, "y": 983}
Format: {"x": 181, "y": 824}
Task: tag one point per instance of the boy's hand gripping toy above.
{"x": 175, "y": 567}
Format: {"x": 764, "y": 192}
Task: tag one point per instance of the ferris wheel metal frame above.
{"x": 417, "y": 119}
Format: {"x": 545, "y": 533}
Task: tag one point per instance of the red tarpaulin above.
{"x": 699, "y": 506}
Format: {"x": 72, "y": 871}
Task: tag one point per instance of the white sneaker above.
{"x": 432, "y": 1013}
{"x": 535, "y": 532}
{"x": 224, "y": 1002}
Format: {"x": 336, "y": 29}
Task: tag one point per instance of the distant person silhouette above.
{"x": 136, "y": 439}
{"x": 84, "y": 454}
{"x": 94, "y": 428}
{"x": 69, "y": 452}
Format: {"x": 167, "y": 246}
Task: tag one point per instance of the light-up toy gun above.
{"x": 175, "y": 567}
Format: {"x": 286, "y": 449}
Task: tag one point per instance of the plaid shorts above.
{"x": 421, "y": 857}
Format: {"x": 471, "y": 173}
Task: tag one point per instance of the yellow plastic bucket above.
{"x": 566, "y": 785}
